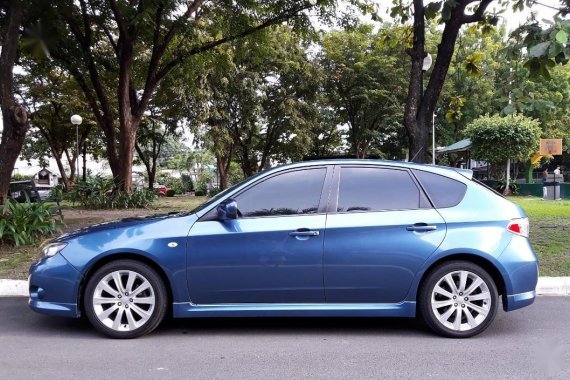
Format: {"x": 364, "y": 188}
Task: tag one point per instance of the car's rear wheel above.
{"x": 458, "y": 299}
{"x": 125, "y": 299}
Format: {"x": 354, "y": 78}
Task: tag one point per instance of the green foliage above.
{"x": 25, "y": 223}
{"x": 261, "y": 96}
{"x": 57, "y": 192}
{"x": 180, "y": 185}
{"x": 21, "y": 177}
{"x": 170, "y": 193}
{"x": 365, "y": 83}
{"x": 502, "y": 184}
{"x": 205, "y": 178}
{"x": 53, "y": 95}
{"x": 187, "y": 183}
{"x": 99, "y": 193}
{"x": 496, "y": 139}
{"x": 214, "y": 191}
{"x": 547, "y": 46}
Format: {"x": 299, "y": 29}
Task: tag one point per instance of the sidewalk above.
{"x": 547, "y": 286}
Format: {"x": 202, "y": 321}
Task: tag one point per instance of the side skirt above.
{"x": 189, "y": 310}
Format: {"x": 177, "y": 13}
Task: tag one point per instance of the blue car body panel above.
{"x": 359, "y": 264}
{"x": 54, "y": 289}
{"x": 254, "y": 260}
{"x": 371, "y": 256}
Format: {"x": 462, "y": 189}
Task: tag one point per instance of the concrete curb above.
{"x": 11, "y": 288}
{"x": 547, "y": 286}
{"x": 553, "y": 286}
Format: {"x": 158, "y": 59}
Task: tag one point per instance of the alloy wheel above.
{"x": 461, "y": 300}
{"x": 124, "y": 300}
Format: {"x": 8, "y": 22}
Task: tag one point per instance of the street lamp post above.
{"x": 85, "y": 160}
{"x": 433, "y": 139}
{"x": 426, "y": 64}
{"x": 76, "y": 120}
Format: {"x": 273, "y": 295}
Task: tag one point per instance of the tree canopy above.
{"x": 497, "y": 139}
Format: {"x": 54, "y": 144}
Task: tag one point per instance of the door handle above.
{"x": 304, "y": 233}
{"x": 421, "y": 227}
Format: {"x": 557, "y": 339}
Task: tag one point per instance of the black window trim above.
{"x": 211, "y": 215}
{"x": 335, "y": 187}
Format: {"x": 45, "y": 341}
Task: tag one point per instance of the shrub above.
{"x": 170, "y": 192}
{"x": 205, "y": 178}
{"x": 180, "y": 185}
{"x": 21, "y": 177}
{"x": 187, "y": 183}
{"x": 502, "y": 184}
{"x": 98, "y": 193}
{"x": 57, "y": 192}
{"x": 213, "y": 191}
{"x": 199, "y": 193}
{"x": 25, "y": 223}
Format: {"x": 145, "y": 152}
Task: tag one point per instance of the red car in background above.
{"x": 160, "y": 190}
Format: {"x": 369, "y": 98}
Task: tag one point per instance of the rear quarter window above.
{"x": 443, "y": 191}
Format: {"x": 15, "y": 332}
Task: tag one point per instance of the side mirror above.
{"x": 228, "y": 210}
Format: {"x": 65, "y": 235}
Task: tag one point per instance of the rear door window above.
{"x": 377, "y": 189}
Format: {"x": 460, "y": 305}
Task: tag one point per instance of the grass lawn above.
{"x": 549, "y": 233}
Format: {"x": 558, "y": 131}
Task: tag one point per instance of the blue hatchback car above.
{"x": 359, "y": 238}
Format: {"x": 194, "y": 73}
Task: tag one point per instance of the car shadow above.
{"x": 294, "y": 325}
{"x": 16, "y": 317}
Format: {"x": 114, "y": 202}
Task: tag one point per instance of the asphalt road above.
{"x": 532, "y": 343}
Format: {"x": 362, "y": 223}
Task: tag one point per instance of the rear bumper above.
{"x": 520, "y": 271}
{"x": 516, "y": 301}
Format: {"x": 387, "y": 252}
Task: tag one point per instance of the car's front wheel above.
{"x": 125, "y": 299}
{"x": 458, "y": 299}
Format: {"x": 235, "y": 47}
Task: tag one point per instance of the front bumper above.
{"x": 54, "y": 287}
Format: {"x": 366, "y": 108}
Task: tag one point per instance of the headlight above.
{"x": 51, "y": 249}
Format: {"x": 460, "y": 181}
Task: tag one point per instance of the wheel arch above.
{"x": 124, "y": 256}
{"x": 484, "y": 263}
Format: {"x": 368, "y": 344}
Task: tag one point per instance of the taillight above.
{"x": 519, "y": 226}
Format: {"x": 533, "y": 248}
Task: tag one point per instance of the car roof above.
{"x": 456, "y": 173}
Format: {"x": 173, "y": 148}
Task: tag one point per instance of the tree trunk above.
{"x": 420, "y": 105}
{"x": 59, "y": 162}
{"x": 128, "y": 140}
{"x": 222, "y": 173}
{"x": 128, "y": 124}
{"x": 14, "y": 115}
{"x": 246, "y": 166}
{"x": 415, "y": 87}
{"x": 84, "y": 161}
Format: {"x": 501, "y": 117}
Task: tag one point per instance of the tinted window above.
{"x": 373, "y": 189}
{"x": 291, "y": 193}
{"x": 443, "y": 191}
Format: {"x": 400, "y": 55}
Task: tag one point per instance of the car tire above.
{"x": 125, "y": 299}
{"x": 458, "y": 299}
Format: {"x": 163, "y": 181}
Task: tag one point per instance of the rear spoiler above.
{"x": 467, "y": 173}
